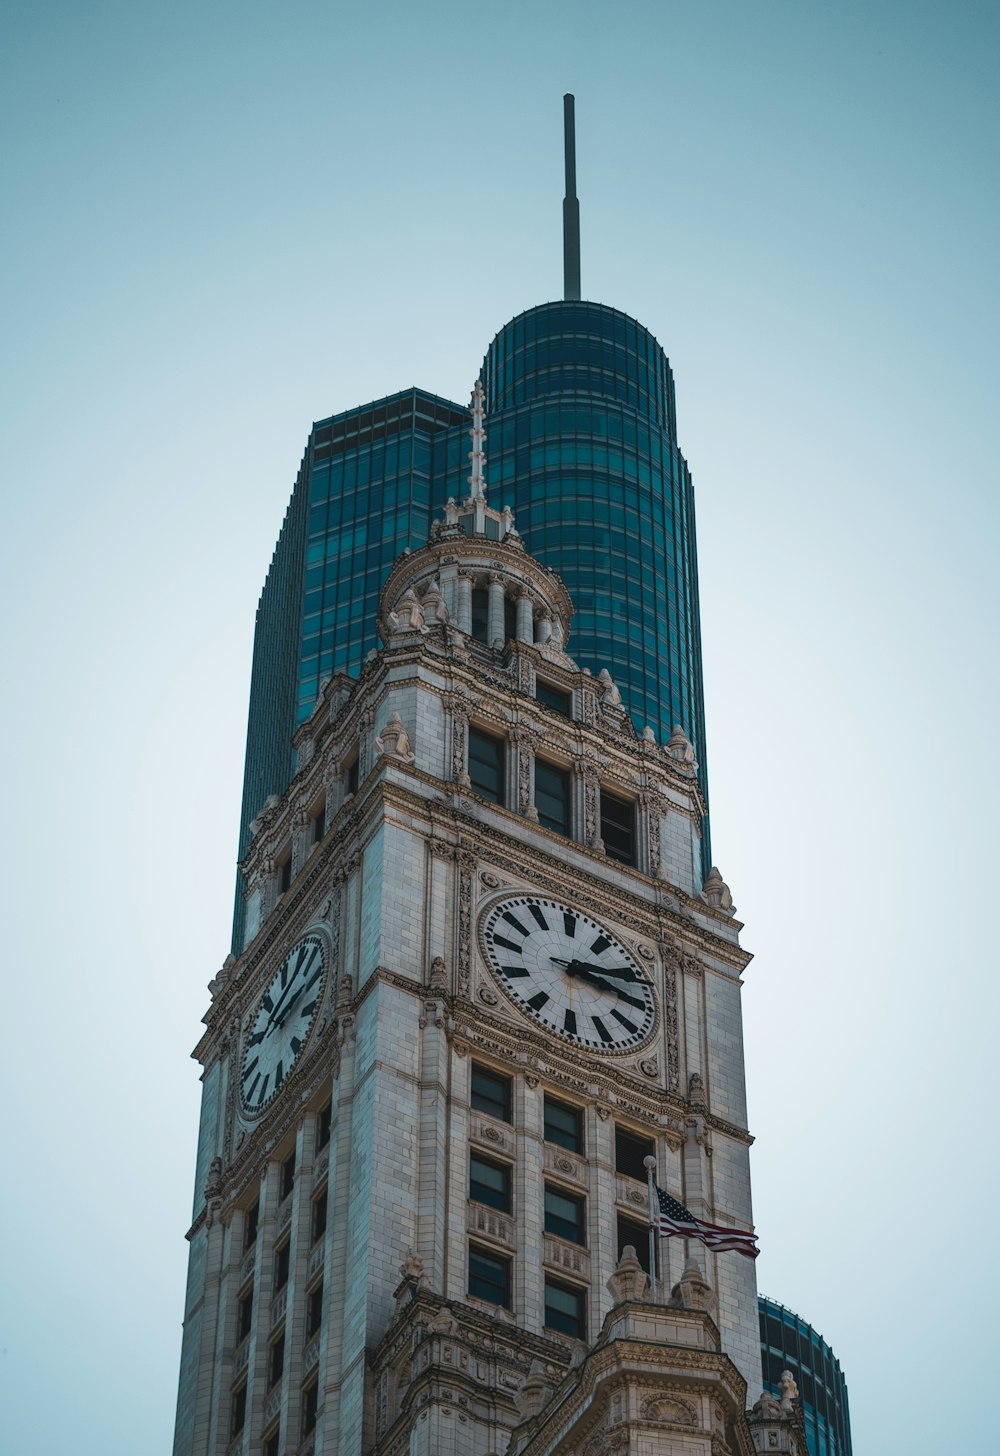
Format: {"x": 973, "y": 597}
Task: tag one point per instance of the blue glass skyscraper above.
{"x": 787, "y": 1342}
{"x": 581, "y": 444}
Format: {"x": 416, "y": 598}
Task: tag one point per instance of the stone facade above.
{"x": 329, "y": 1306}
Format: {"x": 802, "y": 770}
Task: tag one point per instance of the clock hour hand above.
{"x": 619, "y": 973}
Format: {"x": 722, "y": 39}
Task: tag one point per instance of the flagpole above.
{"x": 649, "y": 1163}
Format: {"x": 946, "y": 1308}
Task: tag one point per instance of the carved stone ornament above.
{"x": 535, "y": 1392}
{"x": 610, "y": 696}
{"x": 680, "y": 749}
{"x": 604, "y": 1113}
{"x": 494, "y": 1135}
{"x": 489, "y": 996}
{"x": 696, "y": 1090}
{"x": 669, "y": 1409}
{"x": 650, "y": 1067}
{"x": 530, "y": 1080}
{"x": 438, "y": 977}
{"x": 464, "y": 922}
{"x": 490, "y": 880}
{"x": 715, "y": 892}
{"x": 459, "y": 731}
{"x": 394, "y": 741}
{"x": 213, "y": 1185}
{"x": 693, "y": 1291}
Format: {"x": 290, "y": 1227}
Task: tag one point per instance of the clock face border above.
{"x": 511, "y": 900}
{"x": 261, "y": 1012}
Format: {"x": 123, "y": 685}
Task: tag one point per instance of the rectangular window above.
{"x": 238, "y": 1412}
{"x": 270, "y": 1447}
{"x": 317, "y": 1227}
{"x": 351, "y": 776}
{"x": 552, "y": 796}
{"x": 630, "y": 1150}
{"x": 489, "y": 1183}
{"x": 564, "y": 1125}
{"x": 281, "y": 1263}
{"x": 491, "y": 1093}
{"x": 250, "y": 1225}
{"x": 565, "y": 1215}
{"x": 285, "y": 874}
{"x": 554, "y": 697}
{"x": 314, "y": 1310}
{"x": 636, "y": 1234}
{"x": 244, "y": 1315}
{"x": 275, "y": 1360}
{"x": 489, "y": 1277}
{"x": 287, "y": 1180}
{"x": 565, "y": 1309}
{"x": 618, "y": 827}
{"x": 310, "y": 1406}
{"x": 319, "y": 824}
{"x": 323, "y": 1122}
{"x": 480, "y": 614}
{"x": 486, "y": 764}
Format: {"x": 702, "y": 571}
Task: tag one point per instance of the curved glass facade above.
{"x": 788, "y": 1343}
{"x": 581, "y": 443}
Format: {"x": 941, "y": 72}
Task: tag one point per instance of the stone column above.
{"x": 525, "y": 618}
{"x": 495, "y": 621}
{"x": 543, "y": 628}
{"x": 463, "y": 603}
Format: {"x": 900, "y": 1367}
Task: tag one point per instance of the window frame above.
{"x": 282, "y": 1265}
{"x": 244, "y": 1314}
{"x": 286, "y": 1177}
{"x": 320, "y": 1199}
{"x": 484, "y": 1072}
{"x": 579, "y": 1235}
{"x": 314, "y": 1301}
{"x": 506, "y": 1191}
{"x": 275, "y": 1358}
{"x": 635, "y": 1137}
{"x": 565, "y": 778}
{"x": 579, "y": 1332}
{"x": 502, "y": 1261}
{"x": 499, "y": 742}
{"x": 579, "y": 1145}
{"x": 560, "y": 700}
{"x": 616, "y": 852}
{"x": 638, "y": 1237}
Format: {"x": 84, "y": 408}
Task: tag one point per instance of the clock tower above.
{"x": 483, "y": 982}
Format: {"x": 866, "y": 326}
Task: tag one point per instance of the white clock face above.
{"x": 282, "y": 1024}
{"x": 569, "y": 973}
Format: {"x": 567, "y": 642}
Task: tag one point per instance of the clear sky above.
{"x": 222, "y": 222}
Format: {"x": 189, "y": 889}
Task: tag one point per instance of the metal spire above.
{"x": 571, "y": 206}
{"x": 477, "y": 482}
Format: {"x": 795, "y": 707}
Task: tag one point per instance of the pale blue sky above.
{"x": 222, "y": 222}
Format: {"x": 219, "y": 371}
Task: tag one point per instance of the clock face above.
{"x": 569, "y": 973}
{"x": 282, "y": 1024}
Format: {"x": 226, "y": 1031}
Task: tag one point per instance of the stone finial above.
{"x": 767, "y": 1408}
{"x": 715, "y": 892}
{"x": 648, "y": 736}
{"x": 414, "y": 1280}
{"x": 394, "y": 741}
{"x": 218, "y": 982}
{"x": 693, "y": 1291}
{"x": 680, "y": 747}
{"x": 629, "y": 1280}
{"x": 610, "y": 696}
{"x": 789, "y": 1390}
{"x": 408, "y": 615}
{"x": 477, "y": 460}
{"x": 535, "y": 1392}
{"x": 435, "y": 609}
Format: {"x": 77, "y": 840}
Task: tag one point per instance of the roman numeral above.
{"x": 248, "y": 1095}
{"x": 538, "y": 1001}
{"x": 303, "y": 952}
{"x": 514, "y": 970}
{"x": 279, "y": 1075}
{"x": 602, "y": 1030}
{"x": 308, "y": 1010}
{"x": 569, "y": 1022}
{"x": 267, "y": 1003}
{"x": 569, "y": 921}
{"x": 507, "y": 944}
{"x": 601, "y": 943}
{"x": 256, "y": 1039}
{"x": 628, "y": 1025}
{"x": 512, "y": 920}
{"x": 295, "y": 1045}
{"x": 249, "y": 1067}
{"x": 313, "y": 978}
{"x": 263, "y": 1089}
{"x": 539, "y": 916}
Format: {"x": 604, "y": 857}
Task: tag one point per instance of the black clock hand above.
{"x": 620, "y": 973}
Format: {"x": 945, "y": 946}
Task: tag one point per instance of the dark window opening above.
{"x": 618, "y": 827}
{"x": 282, "y": 1258}
{"x": 489, "y": 1183}
{"x": 636, "y": 1234}
{"x": 323, "y": 1122}
{"x": 287, "y": 1180}
{"x": 565, "y": 1309}
{"x": 630, "y": 1150}
{"x": 238, "y": 1415}
{"x": 244, "y": 1315}
{"x": 285, "y": 875}
{"x": 491, "y": 1093}
{"x": 480, "y": 614}
{"x": 250, "y": 1226}
{"x": 314, "y": 1311}
{"x": 486, "y": 764}
{"x": 489, "y": 1277}
{"x": 565, "y": 1215}
{"x": 318, "y": 1220}
{"x": 319, "y": 824}
{"x": 509, "y": 619}
{"x": 275, "y": 1360}
{"x": 310, "y": 1406}
{"x": 271, "y": 1444}
{"x": 554, "y": 697}
{"x": 351, "y": 776}
{"x": 563, "y": 1125}
{"x": 552, "y": 796}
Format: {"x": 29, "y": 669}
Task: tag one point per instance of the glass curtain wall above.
{"x": 788, "y": 1343}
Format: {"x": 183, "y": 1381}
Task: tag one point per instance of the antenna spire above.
{"x": 571, "y": 205}
{"x": 477, "y": 483}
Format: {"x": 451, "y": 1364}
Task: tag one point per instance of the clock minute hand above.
{"x": 619, "y": 973}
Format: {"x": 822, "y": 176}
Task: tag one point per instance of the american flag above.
{"x": 676, "y": 1219}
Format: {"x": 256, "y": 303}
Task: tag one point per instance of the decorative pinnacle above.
{"x": 477, "y": 482}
